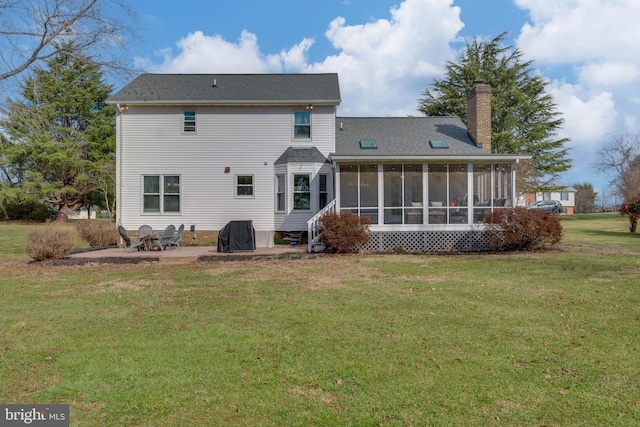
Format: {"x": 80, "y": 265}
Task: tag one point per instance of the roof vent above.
{"x": 368, "y": 143}
{"x": 438, "y": 143}
{"x": 215, "y": 82}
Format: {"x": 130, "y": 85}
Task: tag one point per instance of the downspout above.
{"x": 119, "y": 166}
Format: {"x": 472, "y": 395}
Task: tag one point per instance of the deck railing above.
{"x": 313, "y": 225}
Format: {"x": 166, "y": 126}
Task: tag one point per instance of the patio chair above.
{"x": 176, "y": 238}
{"x": 167, "y": 235}
{"x": 145, "y": 233}
{"x": 127, "y": 241}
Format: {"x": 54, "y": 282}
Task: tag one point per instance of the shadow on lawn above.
{"x": 616, "y": 234}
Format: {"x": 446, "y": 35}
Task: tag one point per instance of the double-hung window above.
{"x": 280, "y": 193}
{"x": 244, "y": 186}
{"x": 301, "y": 192}
{"x": 323, "y": 193}
{"x": 161, "y": 194}
{"x": 302, "y": 125}
{"x": 189, "y": 121}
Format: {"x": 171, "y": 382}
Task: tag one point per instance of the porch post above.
{"x": 336, "y": 181}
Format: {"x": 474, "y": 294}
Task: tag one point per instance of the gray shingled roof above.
{"x": 403, "y": 136}
{"x": 224, "y": 89}
{"x": 301, "y": 155}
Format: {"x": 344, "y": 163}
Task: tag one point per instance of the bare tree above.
{"x": 620, "y": 159}
{"x": 31, "y": 31}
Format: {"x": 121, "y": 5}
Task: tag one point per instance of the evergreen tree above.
{"x": 524, "y": 117}
{"x": 60, "y": 132}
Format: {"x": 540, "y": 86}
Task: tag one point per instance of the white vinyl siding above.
{"x": 247, "y": 140}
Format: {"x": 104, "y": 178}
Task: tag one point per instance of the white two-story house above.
{"x": 203, "y": 150}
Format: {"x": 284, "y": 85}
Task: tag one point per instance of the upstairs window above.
{"x": 302, "y": 125}
{"x": 189, "y": 123}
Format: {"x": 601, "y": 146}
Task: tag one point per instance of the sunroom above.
{"x": 424, "y": 195}
{"x": 423, "y": 182}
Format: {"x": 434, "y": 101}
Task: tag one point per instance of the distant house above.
{"x": 204, "y": 150}
{"x": 82, "y": 213}
{"x": 565, "y": 194}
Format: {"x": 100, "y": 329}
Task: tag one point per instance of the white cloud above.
{"x": 594, "y": 43}
{"x": 199, "y": 53}
{"x": 588, "y": 117}
{"x": 580, "y": 30}
{"x": 608, "y": 74}
{"x": 383, "y": 65}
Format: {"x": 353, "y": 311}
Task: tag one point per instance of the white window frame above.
{"x": 237, "y": 186}
{"x": 297, "y": 190}
{"x": 187, "y": 124}
{"x": 323, "y": 191}
{"x": 295, "y": 125}
{"x": 161, "y": 194}
{"x": 281, "y": 192}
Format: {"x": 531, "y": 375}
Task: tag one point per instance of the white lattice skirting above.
{"x": 427, "y": 241}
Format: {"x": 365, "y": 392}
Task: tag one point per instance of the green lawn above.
{"x": 524, "y": 339}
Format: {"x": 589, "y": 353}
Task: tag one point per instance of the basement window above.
{"x": 438, "y": 143}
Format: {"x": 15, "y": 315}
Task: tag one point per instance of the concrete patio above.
{"x": 184, "y": 254}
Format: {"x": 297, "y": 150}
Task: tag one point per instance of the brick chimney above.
{"x": 479, "y": 115}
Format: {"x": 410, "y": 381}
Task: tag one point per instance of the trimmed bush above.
{"x": 344, "y": 232}
{"x": 522, "y": 229}
{"x": 49, "y": 244}
{"x": 97, "y": 233}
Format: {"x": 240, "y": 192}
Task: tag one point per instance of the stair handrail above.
{"x": 313, "y": 225}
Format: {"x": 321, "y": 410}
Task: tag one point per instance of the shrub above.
{"x": 631, "y": 207}
{"x": 49, "y": 244}
{"x": 522, "y": 229}
{"x": 344, "y": 232}
{"x": 97, "y": 233}
{"x": 30, "y": 211}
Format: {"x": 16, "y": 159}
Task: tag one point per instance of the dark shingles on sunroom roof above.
{"x": 403, "y": 136}
{"x": 231, "y": 88}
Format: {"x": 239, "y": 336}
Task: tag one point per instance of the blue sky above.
{"x": 388, "y": 51}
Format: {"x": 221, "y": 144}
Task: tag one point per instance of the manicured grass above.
{"x": 548, "y": 338}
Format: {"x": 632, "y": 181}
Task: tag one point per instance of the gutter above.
{"x": 426, "y": 158}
